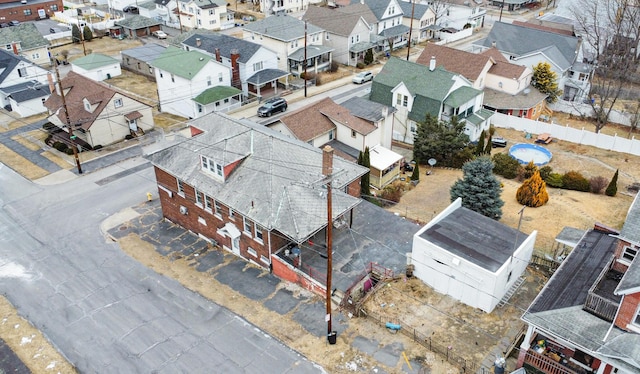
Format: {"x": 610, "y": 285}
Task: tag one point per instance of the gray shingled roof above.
{"x": 281, "y": 27}
{"x": 502, "y": 100}
{"x": 25, "y": 33}
{"x": 570, "y": 236}
{"x": 136, "y": 22}
{"x": 26, "y": 91}
{"x": 489, "y": 244}
{"x": 631, "y": 232}
{"x": 310, "y": 52}
{"x": 224, "y": 43}
{"x": 276, "y": 181}
{"x": 332, "y": 20}
{"x": 267, "y": 75}
{"x": 8, "y": 61}
{"x": 394, "y": 31}
{"x": 378, "y": 7}
{"x": 146, "y": 53}
{"x": 520, "y": 41}
{"x": 366, "y": 109}
{"x": 418, "y": 9}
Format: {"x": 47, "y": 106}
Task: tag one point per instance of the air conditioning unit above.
{"x": 183, "y": 210}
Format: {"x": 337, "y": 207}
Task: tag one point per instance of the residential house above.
{"x": 183, "y": 75}
{"x": 529, "y": 46}
{"x": 148, "y": 9}
{"x": 420, "y": 18}
{"x": 271, "y": 7}
{"x": 24, "y": 86}
{"x": 328, "y": 123}
{"x": 388, "y": 31}
{"x": 25, "y": 40}
{"x": 415, "y": 90}
{"x": 286, "y": 36}
{"x": 511, "y": 5}
{"x": 139, "y": 59}
{"x": 28, "y": 11}
{"x": 238, "y": 190}
{"x": 507, "y": 87}
{"x": 586, "y": 319}
{"x": 165, "y": 11}
{"x": 254, "y": 68}
{"x": 98, "y": 114}
{"x": 471, "y": 257}
{"x": 205, "y": 14}
{"x": 462, "y": 17}
{"x": 348, "y": 34}
{"x": 97, "y": 66}
{"x": 134, "y": 26}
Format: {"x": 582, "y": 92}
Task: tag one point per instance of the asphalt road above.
{"x": 103, "y": 310}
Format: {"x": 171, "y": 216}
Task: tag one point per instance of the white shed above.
{"x": 470, "y": 257}
{"x": 97, "y": 66}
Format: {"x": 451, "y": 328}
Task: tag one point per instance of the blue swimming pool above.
{"x": 525, "y": 153}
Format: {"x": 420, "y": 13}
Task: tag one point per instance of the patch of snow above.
{"x": 25, "y": 340}
{"x": 351, "y": 366}
{"x": 51, "y": 365}
{"x": 17, "y": 326}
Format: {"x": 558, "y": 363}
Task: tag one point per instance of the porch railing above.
{"x": 545, "y": 364}
{"x": 598, "y": 305}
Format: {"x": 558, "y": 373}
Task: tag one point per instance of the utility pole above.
{"x": 501, "y": 8}
{"x": 327, "y": 171}
{"x": 515, "y": 243}
{"x": 69, "y": 125}
{"x": 413, "y": 6}
{"x": 305, "y": 58}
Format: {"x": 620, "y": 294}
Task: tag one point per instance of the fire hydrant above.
{"x": 149, "y": 196}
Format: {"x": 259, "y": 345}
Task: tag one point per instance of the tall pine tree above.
{"x": 612, "y": 188}
{"x": 365, "y": 189}
{"x": 479, "y": 188}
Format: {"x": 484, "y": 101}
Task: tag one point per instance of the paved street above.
{"x": 103, "y": 310}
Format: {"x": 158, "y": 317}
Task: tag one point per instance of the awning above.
{"x": 230, "y": 230}
{"x": 381, "y": 158}
{"x": 133, "y": 116}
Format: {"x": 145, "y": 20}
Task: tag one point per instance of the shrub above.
{"x": 368, "y": 56}
{"x": 555, "y": 180}
{"x": 334, "y": 67}
{"x": 61, "y": 147}
{"x": 360, "y": 65}
{"x": 573, "y": 180}
{"x": 612, "y": 188}
{"x": 545, "y": 171}
{"x": 598, "y": 184}
{"x": 128, "y": 137}
{"x": 392, "y": 192}
{"x": 506, "y": 165}
{"x": 69, "y": 151}
{"x": 459, "y": 158}
{"x": 527, "y": 171}
{"x": 97, "y": 147}
{"x": 415, "y": 176}
{"x": 533, "y": 192}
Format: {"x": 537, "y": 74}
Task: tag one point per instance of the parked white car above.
{"x": 362, "y": 77}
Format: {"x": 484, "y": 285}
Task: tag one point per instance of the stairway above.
{"x": 511, "y": 291}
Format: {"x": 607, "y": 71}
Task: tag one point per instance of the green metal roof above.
{"x": 94, "y": 61}
{"x": 213, "y": 94}
{"x": 429, "y": 88}
{"x": 461, "y": 95}
{"x": 185, "y": 64}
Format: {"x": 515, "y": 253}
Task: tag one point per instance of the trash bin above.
{"x": 332, "y": 337}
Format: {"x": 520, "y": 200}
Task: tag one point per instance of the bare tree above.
{"x": 609, "y": 30}
{"x": 440, "y": 8}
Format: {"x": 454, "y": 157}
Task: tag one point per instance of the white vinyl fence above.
{"x": 579, "y": 136}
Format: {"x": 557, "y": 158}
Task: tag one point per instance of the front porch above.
{"x": 551, "y": 357}
{"x": 318, "y": 58}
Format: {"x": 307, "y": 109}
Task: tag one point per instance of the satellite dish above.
{"x": 432, "y": 161}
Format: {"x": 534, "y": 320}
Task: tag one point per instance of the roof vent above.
{"x": 201, "y": 58}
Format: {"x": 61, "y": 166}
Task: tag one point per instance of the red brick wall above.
{"x": 354, "y": 188}
{"x": 17, "y": 11}
{"x": 190, "y": 221}
{"x": 284, "y": 270}
{"x": 628, "y": 310}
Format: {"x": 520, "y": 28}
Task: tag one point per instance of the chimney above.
{"x": 235, "y": 69}
{"x": 52, "y": 86}
{"x": 327, "y": 160}
{"x": 493, "y": 44}
{"x": 217, "y": 54}
{"x": 198, "y": 42}
{"x": 432, "y": 63}
{"x": 14, "y": 46}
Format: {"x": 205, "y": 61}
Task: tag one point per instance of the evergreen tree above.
{"x": 359, "y": 162}
{"x": 488, "y": 147}
{"x": 87, "y": 34}
{"x": 415, "y": 176}
{"x": 479, "y": 188}
{"x": 439, "y": 140}
{"x": 533, "y": 191}
{"x": 612, "y": 188}
{"x": 529, "y": 170}
{"x": 365, "y": 189}
{"x": 480, "y": 145}
{"x": 76, "y": 37}
{"x": 368, "y": 57}
{"x": 546, "y": 81}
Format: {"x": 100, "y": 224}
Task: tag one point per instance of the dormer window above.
{"x": 212, "y": 167}
{"x": 87, "y": 105}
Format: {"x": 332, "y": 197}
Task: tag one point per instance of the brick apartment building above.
{"x": 28, "y": 10}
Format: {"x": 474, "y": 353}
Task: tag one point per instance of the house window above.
{"x": 211, "y": 166}
{"x": 87, "y": 106}
{"x": 247, "y": 226}
{"x": 259, "y": 234}
{"x": 232, "y": 215}
{"x": 509, "y": 276}
{"x": 331, "y": 135}
{"x": 198, "y": 198}
{"x": 405, "y": 101}
{"x": 629, "y": 253}
{"x": 22, "y": 72}
{"x": 264, "y": 259}
{"x": 209, "y": 83}
{"x": 173, "y": 78}
{"x": 326, "y": 36}
{"x": 212, "y": 12}
{"x": 202, "y": 221}
{"x": 353, "y": 133}
{"x": 54, "y": 7}
{"x": 199, "y": 108}
{"x": 637, "y": 319}
{"x": 398, "y": 99}
{"x": 218, "y": 208}
{"x": 35, "y": 56}
{"x": 219, "y": 77}
{"x": 180, "y": 188}
{"x": 252, "y": 252}
{"x": 208, "y": 203}
{"x": 412, "y": 127}
{"x": 117, "y": 103}
{"x": 27, "y": 12}
{"x": 257, "y": 66}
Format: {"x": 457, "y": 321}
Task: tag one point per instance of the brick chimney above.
{"x": 14, "y": 47}
{"x": 235, "y": 69}
{"x": 52, "y": 86}
{"x": 198, "y": 42}
{"x": 218, "y": 55}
